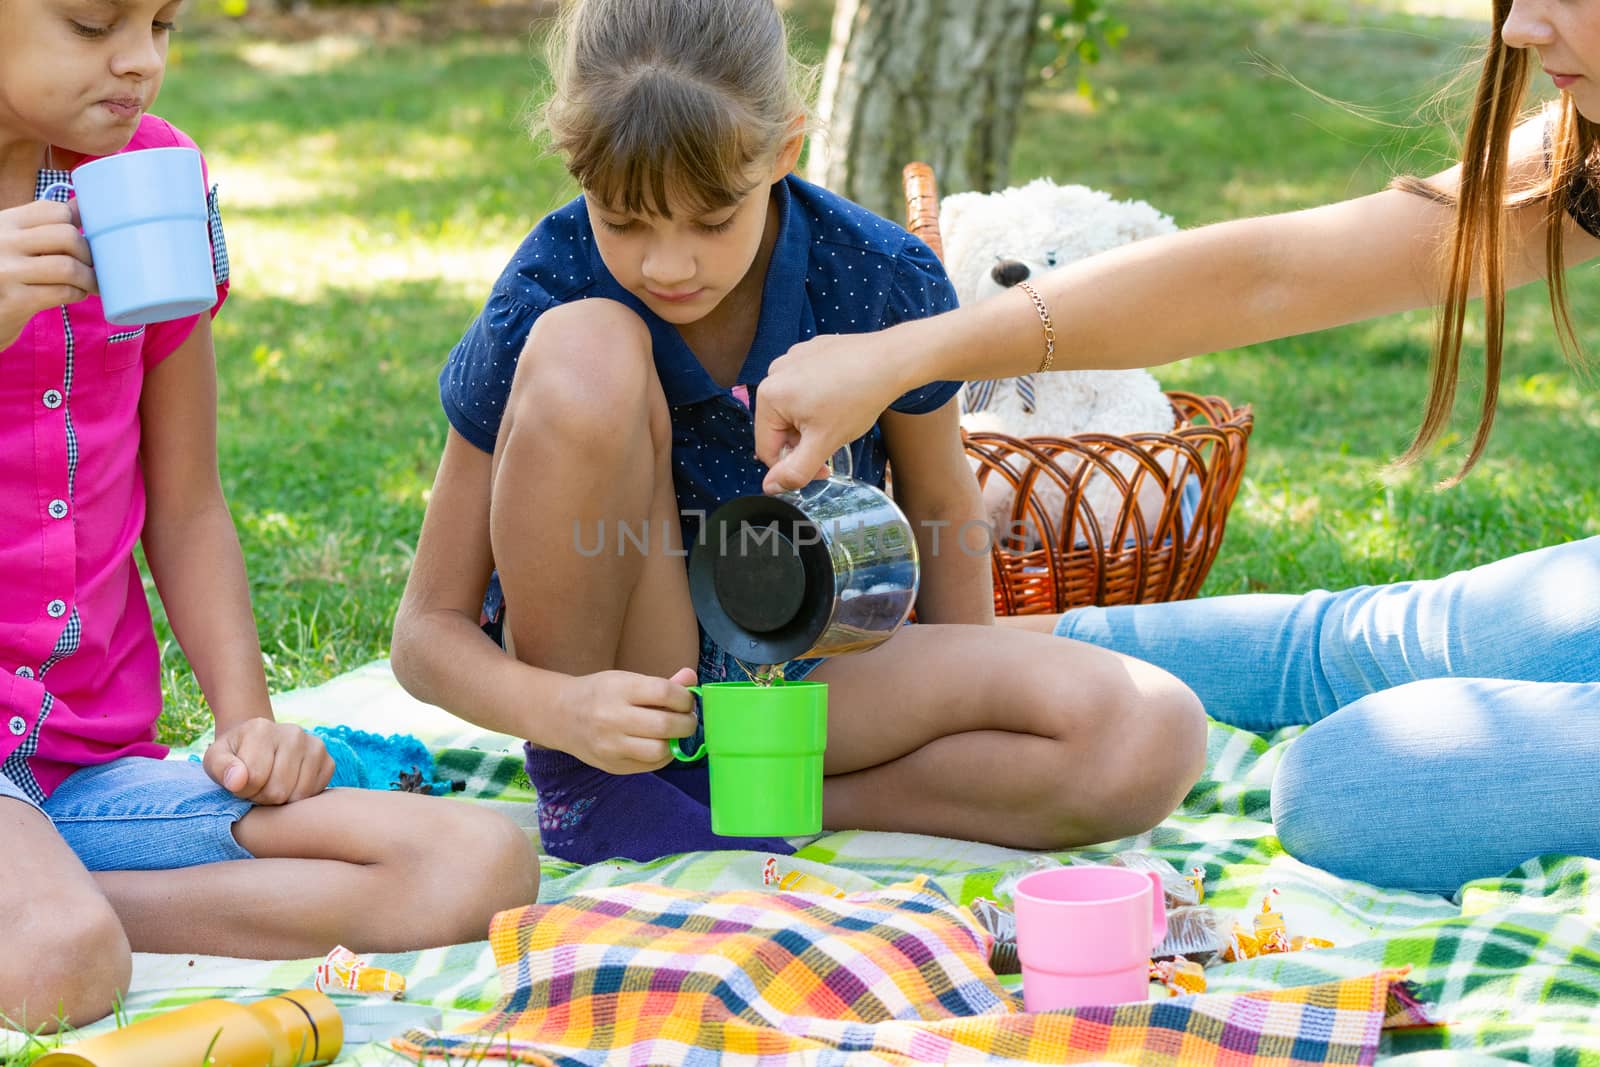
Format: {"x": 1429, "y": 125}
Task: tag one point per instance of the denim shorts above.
{"x": 141, "y": 814}
{"x": 717, "y": 665}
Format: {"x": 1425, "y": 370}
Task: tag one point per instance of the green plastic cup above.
{"x": 764, "y": 746}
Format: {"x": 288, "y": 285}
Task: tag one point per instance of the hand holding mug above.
{"x": 44, "y": 261}
{"x": 147, "y": 223}
{"x": 620, "y": 722}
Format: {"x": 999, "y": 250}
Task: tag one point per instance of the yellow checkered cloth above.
{"x": 652, "y": 974}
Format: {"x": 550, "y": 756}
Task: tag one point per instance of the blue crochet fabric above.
{"x": 372, "y": 761}
{"x": 363, "y": 760}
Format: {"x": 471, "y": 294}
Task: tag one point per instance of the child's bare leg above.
{"x": 65, "y": 955}
{"x": 378, "y": 872}
{"x": 584, "y": 452}
{"x": 995, "y": 734}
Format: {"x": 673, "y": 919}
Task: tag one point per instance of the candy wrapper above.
{"x": 797, "y": 881}
{"x": 1197, "y": 878}
{"x": 1000, "y": 922}
{"x": 1193, "y": 933}
{"x": 1179, "y": 976}
{"x": 343, "y": 970}
{"x": 1269, "y": 935}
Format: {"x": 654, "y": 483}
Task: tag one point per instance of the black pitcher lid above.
{"x": 761, "y": 579}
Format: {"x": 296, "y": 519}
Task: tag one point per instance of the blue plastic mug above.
{"x": 144, "y": 215}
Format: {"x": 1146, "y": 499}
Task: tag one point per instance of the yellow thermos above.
{"x": 294, "y": 1029}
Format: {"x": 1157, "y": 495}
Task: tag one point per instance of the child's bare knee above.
{"x": 1128, "y": 765}
{"x": 510, "y": 862}
{"x": 76, "y": 968}
{"x": 1165, "y": 754}
{"x": 1188, "y": 725}
{"x": 461, "y": 836}
{"x": 585, "y": 369}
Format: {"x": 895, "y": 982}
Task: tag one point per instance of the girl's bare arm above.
{"x": 933, "y": 484}
{"x": 1152, "y": 302}
{"x": 439, "y": 653}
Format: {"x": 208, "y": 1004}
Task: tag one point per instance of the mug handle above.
{"x": 689, "y": 757}
{"x": 1158, "y": 899}
{"x": 52, "y": 187}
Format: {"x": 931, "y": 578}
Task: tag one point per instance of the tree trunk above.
{"x": 933, "y": 80}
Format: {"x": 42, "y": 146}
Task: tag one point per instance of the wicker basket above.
{"x": 1054, "y": 553}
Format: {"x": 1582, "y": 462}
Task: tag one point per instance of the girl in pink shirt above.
{"x": 108, "y": 439}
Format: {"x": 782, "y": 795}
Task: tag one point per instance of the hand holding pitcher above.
{"x": 819, "y": 571}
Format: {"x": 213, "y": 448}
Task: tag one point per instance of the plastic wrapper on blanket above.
{"x": 344, "y": 971}
{"x": 999, "y": 922}
{"x": 1179, "y": 976}
{"x": 1270, "y": 935}
{"x": 1193, "y": 933}
{"x": 1180, "y": 890}
{"x": 1005, "y": 888}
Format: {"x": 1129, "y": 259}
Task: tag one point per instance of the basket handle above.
{"x": 922, "y": 205}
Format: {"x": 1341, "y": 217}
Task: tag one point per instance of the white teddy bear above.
{"x": 994, "y": 240}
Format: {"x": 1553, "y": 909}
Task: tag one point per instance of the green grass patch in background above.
{"x": 373, "y": 192}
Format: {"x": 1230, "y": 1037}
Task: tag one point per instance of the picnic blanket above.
{"x": 652, "y": 974}
{"x": 1511, "y": 964}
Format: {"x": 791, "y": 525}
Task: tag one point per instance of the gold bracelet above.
{"x": 1049, "y": 327}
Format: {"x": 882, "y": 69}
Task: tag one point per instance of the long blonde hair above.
{"x": 1478, "y": 240}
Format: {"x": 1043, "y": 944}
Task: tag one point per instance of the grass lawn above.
{"x": 373, "y": 192}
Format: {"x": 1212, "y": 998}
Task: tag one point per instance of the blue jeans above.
{"x": 1455, "y": 722}
{"x": 139, "y": 814}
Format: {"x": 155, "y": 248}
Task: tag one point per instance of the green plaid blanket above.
{"x": 1512, "y": 965}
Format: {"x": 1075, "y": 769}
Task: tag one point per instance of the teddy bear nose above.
{"x": 1009, "y": 272}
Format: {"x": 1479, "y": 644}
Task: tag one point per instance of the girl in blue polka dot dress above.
{"x": 608, "y": 384}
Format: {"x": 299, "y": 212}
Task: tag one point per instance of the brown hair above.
{"x": 1478, "y": 240}
{"x": 686, "y": 95}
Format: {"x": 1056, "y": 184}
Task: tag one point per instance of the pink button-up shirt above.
{"x": 80, "y": 679}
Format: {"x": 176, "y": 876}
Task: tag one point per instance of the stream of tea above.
{"x": 762, "y": 674}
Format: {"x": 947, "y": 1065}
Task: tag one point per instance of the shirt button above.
{"x": 24, "y": 672}
{"x": 53, "y": 398}
{"x": 58, "y": 509}
{"x": 18, "y": 726}
{"x": 56, "y": 608}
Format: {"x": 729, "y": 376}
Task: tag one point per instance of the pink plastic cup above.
{"x": 1085, "y": 934}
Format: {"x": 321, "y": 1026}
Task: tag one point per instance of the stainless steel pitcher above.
{"x": 819, "y": 571}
